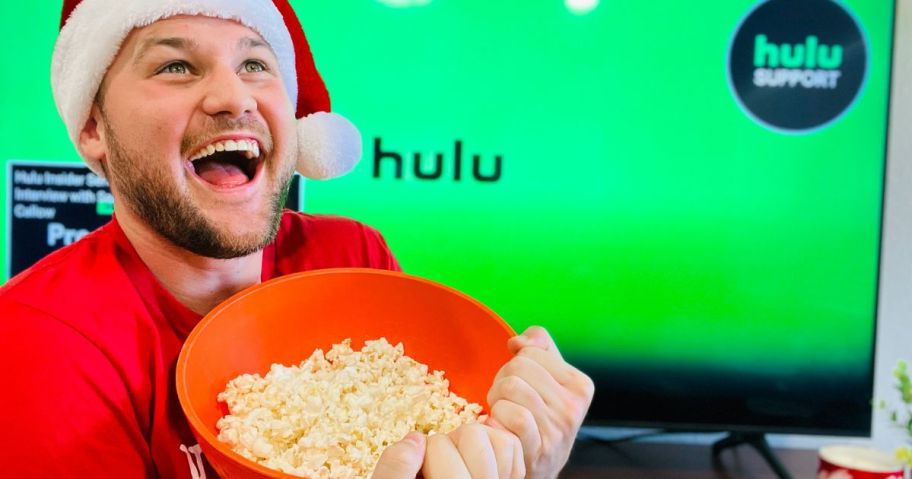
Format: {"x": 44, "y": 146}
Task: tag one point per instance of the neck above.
{"x": 198, "y": 282}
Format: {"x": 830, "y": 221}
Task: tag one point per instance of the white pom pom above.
{"x": 328, "y": 145}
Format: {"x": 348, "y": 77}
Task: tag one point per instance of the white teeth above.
{"x": 250, "y": 148}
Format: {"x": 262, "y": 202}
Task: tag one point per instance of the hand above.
{"x": 403, "y": 459}
{"x": 542, "y": 400}
{"x": 471, "y": 451}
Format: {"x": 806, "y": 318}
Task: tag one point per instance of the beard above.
{"x": 157, "y": 201}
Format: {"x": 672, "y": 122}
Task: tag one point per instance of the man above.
{"x": 188, "y": 108}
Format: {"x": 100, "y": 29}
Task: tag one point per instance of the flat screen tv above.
{"x": 688, "y": 196}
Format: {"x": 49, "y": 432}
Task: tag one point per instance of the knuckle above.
{"x": 555, "y": 438}
{"x": 494, "y": 395}
{"x": 436, "y": 441}
{"x": 523, "y": 424}
{"x": 526, "y": 359}
{"x": 537, "y": 331}
{"x": 398, "y": 457}
{"x": 501, "y": 437}
{"x": 504, "y": 369}
{"x": 509, "y": 368}
{"x": 589, "y": 389}
{"x": 516, "y": 364}
{"x": 514, "y": 419}
{"x": 473, "y": 430}
{"x": 527, "y": 353}
{"x": 572, "y": 406}
{"x": 585, "y": 385}
{"x": 513, "y": 386}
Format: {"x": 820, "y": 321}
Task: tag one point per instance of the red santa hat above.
{"x": 92, "y": 31}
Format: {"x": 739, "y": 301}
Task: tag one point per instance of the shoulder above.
{"x": 81, "y": 289}
{"x": 327, "y": 241}
{"x": 75, "y": 341}
{"x": 78, "y": 272}
{"x": 323, "y": 225}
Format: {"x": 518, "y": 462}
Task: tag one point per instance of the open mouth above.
{"x": 227, "y": 163}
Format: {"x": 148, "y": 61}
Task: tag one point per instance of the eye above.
{"x": 176, "y": 68}
{"x": 254, "y": 66}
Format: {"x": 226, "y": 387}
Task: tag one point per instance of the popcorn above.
{"x": 334, "y": 414}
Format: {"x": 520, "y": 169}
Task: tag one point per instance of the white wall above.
{"x": 894, "y": 335}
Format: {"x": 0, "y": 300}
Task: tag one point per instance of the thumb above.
{"x": 534, "y": 336}
{"x": 403, "y": 459}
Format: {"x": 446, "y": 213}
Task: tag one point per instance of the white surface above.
{"x": 894, "y": 335}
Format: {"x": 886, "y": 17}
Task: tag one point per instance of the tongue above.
{"x": 220, "y": 174}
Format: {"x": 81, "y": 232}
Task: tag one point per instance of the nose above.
{"x": 227, "y": 94}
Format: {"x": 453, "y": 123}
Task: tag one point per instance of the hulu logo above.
{"x": 810, "y": 54}
{"x": 421, "y": 171}
{"x": 796, "y": 76}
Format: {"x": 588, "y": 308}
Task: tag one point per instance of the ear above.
{"x": 91, "y": 139}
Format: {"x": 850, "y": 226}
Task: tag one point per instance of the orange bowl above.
{"x": 284, "y": 320}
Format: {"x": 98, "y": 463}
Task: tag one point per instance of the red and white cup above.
{"x": 857, "y": 462}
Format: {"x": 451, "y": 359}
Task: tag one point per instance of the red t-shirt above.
{"x": 88, "y": 344}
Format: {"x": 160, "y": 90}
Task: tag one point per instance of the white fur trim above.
{"x": 328, "y": 145}
{"x": 92, "y": 36}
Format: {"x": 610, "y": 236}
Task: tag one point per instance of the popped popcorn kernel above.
{"x": 333, "y": 415}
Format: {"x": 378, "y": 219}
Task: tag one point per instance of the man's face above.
{"x": 179, "y": 92}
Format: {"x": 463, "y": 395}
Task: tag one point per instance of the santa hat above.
{"x": 92, "y": 31}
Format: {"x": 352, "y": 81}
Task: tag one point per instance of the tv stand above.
{"x": 758, "y": 442}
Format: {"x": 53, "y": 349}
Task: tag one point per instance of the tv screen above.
{"x": 687, "y": 196}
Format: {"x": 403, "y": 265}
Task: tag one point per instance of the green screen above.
{"x": 639, "y": 214}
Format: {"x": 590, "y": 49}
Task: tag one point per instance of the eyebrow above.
{"x": 250, "y": 42}
{"x": 173, "y": 42}
{"x": 179, "y": 43}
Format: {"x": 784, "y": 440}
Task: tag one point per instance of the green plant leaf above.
{"x": 904, "y": 454}
{"x": 904, "y": 383}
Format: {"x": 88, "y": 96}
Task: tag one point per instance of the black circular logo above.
{"x": 797, "y": 65}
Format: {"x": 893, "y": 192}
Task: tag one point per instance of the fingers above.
{"x": 519, "y": 421}
{"x": 474, "y": 451}
{"x": 519, "y": 459}
{"x": 560, "y": 370}
{"x": 480, "y": 445}
{"x": 530, "y": 370}
{"x": 477, "y": 451}
{"x": 541, "y": 399}
{"x": 565, "y": 390}
{"x": 534, "y": 336}
{"x": 403, "y": 459}
{"x": 443, "y": 460}
{"x": 536, "y": 344}
{"x": 518, "y": 392}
